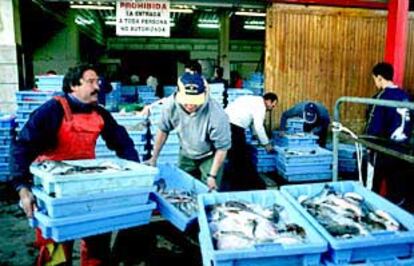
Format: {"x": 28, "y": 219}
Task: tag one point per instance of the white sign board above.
{"x": 143, "y": 18}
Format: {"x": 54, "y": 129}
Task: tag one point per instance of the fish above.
{"x": 250, "y": 224}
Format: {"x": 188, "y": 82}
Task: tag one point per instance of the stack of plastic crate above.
{"x": 79, "y": 204}
{"x": 299, "y": 158}
{"x": 168, "y": 90}
{"x": 28, "y": 101}
{"x": 7, "y": 133}
{"x": 265, "y": 162}
{"x": 377, "y": 247}
{"x": 295, "y": 124}
{"x": 217, "y": 92}
{"x": 307, "y": 252}
{"x": 347, "y": 158}
{"x": 233, "y": 94}
{"x": 113, "y": 98}
{"x": 137, "y": 127}
{"x": 146, "y": 94}
{"x": 51, "y": 83}
{"x": 255, "y": 83}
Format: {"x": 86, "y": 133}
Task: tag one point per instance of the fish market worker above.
{"x": 202, "y": 126}
{"x": 66, "y": 128}
{"x": 315, "y": 116}
{"x": 243, "y": 112}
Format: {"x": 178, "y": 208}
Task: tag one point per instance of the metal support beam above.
{"x": 396, "y": 43}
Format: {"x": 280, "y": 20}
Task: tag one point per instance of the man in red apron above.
{"x": 66, "y": 128}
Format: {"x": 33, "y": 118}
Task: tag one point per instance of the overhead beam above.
{"x": 396, "y": 42}
{"x": 342, "y": 3}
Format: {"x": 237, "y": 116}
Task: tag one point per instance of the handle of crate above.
{"x": 383, "y": 233}
{"x": 267, "y": 245}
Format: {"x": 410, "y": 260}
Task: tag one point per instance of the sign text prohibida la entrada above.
{"x": 143, "y": 18}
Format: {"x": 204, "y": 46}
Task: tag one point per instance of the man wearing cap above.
{"x": 245, "y": 111}
{"x": 203, "y": 130}
{"x": 315, "y": 116}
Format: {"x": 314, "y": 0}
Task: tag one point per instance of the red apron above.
{"x": 76, "y": 140}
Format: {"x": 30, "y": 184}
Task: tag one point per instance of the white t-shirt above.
{"x": 246, "y": 110}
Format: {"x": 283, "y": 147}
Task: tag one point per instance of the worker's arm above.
{"x": 219, "y": 157}
{"x": 160, "y": 139}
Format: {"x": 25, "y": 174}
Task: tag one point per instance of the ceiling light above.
{"x": 250, "y": 14}
{"x": 179, "y": 10}
{"x": 208, "y": 26}
{"x": 110, "y": 22}
{"x": 254, "y": 27}
{"x": 83, "y": 21}
{"x": 93, "y": 7}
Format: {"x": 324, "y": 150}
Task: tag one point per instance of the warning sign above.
{"x": 143, "y": 18}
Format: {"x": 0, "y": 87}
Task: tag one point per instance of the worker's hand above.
{"x": 27, "y": 201}
{"x": 269, "y": 148}
{"x": 151, "y": 161}
{"x": 211, "y": 183}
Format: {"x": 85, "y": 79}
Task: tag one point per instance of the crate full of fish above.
{"x": 176, "y": 196}
{"x": 358, "y": 224}
{"x": 81, "y": 177}
{"x": 95, "y": 203}
{"x": 299, "y": 139}
{"x": 256, "y": 228}
{"x": 79, "y": 226}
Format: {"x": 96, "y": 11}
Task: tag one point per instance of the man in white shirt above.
{"x": 243, "y": 112}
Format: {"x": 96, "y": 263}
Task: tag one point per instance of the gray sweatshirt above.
{"x": 202, "y": 132}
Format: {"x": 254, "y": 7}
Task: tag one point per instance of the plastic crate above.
{"x": 177, "y": 179}
{"x": 304, "y": 167}
{"x": 29, "y": 105}
{"x": 7, "y": 121}
{"x": 69, "y": 228}
{"x": 378, "y": 246}
{"x": 138, "y": 175}
{"x": 4, "y": 158}
{"x": 307, "y": 253}
{"x": 6, "y": 132}
{"x": 168, "y": 90}
{"x": 5, "y": 141}
{"x": 306, "y": 177}
{"x": 79, "y": 205}
{"x": 49, "y": 80}
{"x": 303, "y": 155}
{"x": 33, "y": 96}
{"x": 285, "y": 139}
{"x": 4, "y": 149}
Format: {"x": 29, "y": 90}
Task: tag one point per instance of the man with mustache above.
{"x": 66, "y": 128}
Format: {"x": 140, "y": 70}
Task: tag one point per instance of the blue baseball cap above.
{"x": 191, "y": 89}
{"x": 310, "y": 113}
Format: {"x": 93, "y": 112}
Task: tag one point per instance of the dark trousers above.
{"x": 240, "y": 173}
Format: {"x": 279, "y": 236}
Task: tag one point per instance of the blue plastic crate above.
{"x": 4, "y": 158}
{"x": 5, "y": 141}
{"x": 303, "y": 155}
{"x": 304, "y": 168}
{"x": 177, "y": 179}
{"x": 135, "y": 175}
{"x": 4, "y": 149}
{"x": 4, "y": 176}
{"x": 49, "y": 79}
{"x": 23, "y": 114}
{"x": 306, "y": 177}
{"x": 75, "y": 227}
{"x": 32, "y": 105}
{"x": 79, "y": 205}
{"x": 286, "y": 139}
{"x": 266, "y": 169}
{"x": 307, "y": 253}
{"x": 7, "y": 121}
{"x": 345, "y": 151}
{"x": 33, "y": 96}
{"x": 382, "y": 245}
{"x": 168, "y": 90}
{"x": 388, "y": 262}
{"x": 6, "y": 132}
